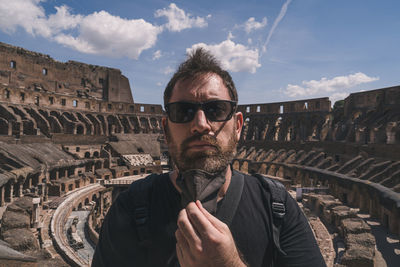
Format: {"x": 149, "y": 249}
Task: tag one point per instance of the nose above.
{"x": 200, "y": 124}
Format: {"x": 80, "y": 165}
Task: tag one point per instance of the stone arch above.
{"x": 3, "y": 126}
{"x": 236, "y": 165}
{"x": 114, "y": 125}
{"x": 42, "y": 124}
{"x": 126, "y": 126}
{"x": 106, "y": 164}
{"x": 80, "y": 129}
{"x": 154, "y": 124}
{"x": 87, "y": 154}
{"x": 136, "y": 124}
{"x": 98, "y": 165}
{"x": 103, "y": 123}
{"x": 97, "y": 129}
{"x": 245, "y": 166}
{"x": 263, "y": 168}
{"x": 277, "y": 132}
{"x": 88, "y": 125}
{"x": 145, "y": 124}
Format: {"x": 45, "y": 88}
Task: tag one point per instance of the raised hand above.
{"x": 203, "y": 240}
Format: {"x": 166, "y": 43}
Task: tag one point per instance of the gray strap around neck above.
{"x": 232, "y": 198}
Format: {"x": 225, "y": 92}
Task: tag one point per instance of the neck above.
{"x": 222, "y": 191}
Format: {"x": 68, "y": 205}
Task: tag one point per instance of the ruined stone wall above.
{"x": 364, "y": 182}
{"x": 371, "y": 117}
{"x": 371, "y": 100}
{"x": 18, "y": 120}
{"x": 21, "y": 68}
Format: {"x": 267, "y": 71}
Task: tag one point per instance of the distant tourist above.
{"x": 204, "y": 213}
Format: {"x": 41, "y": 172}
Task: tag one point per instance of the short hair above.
{"x": 200, "y": 62}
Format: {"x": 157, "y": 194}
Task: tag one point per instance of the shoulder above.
{"x": 259, "y": 182}
{"x": 145, "y": 183}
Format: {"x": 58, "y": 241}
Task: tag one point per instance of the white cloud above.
{"x": 157, "y": 54}
{"x": 168, "y": 70}
{"x": 338, "y": 96}
{"x": 96, "y": 33}
{"x": 278, "y": 19}
{"x": 159, "y": 84}
{"x": 251, "y": 24}
{"x": 336, "y": 85}
{"x": 63, "y": 20}
{"x": 115, "y": 36}
{"x": 178, "y": 20}
{"x": 233, "y": 57}
{"x": 26, "y": 14}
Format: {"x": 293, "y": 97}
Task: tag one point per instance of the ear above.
{"x": 238, "y": 124}
{"x": 164, "y": 124}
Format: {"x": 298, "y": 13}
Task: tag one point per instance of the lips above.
{"x": 200, "y": 145}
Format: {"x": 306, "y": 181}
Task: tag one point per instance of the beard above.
{"x": 212, "y": 161}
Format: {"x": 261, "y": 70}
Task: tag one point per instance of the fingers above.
{"x": 187, "y": 231}
{"x": 182, "y": 246}
{"x": 214, "y": 221}
{"x": 200, "y": 222}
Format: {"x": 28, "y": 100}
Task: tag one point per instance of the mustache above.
{"x": 212, "y": 140}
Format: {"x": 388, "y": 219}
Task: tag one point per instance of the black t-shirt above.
{"x": 251, "y": 229}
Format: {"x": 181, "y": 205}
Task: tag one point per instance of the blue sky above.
{"x": 276, "y": 50}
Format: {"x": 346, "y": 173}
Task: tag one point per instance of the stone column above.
{"x": 35, "y": 212}
{"x": 9, "y": 128}
{"x": 10, "y": 198}
{"x": 2, "y": 192}
{"x": 47, "y": 177}
{"x": 21, "y": 187}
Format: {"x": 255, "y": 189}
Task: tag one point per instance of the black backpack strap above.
{"x": 232, "y": 198}
{"x": 140, "y": 193}
{"x": 278, "y": 206}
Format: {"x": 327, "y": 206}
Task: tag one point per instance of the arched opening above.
{"x": 87, "y": 155}
{"x": 79, "y": 129}
{"x": 3, "y": 127}
{"x": 96, "y": 154}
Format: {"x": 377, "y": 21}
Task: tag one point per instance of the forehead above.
{"x": 208, "y": 86}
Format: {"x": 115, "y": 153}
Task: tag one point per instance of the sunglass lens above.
{"x": 218, "y": 110}
{"x": 181, "y": 112}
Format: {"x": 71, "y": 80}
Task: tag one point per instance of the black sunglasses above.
{"x": 215, "y": 110}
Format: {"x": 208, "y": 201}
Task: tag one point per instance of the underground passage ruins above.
{"x": 72, "y": 137}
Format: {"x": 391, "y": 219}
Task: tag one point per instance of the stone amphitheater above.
{"x": 72, "y": 137}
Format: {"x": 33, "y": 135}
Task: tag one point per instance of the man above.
{"x": 195, "y": 215}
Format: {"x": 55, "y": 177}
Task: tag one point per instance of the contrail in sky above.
{"x": 276, "y": 22}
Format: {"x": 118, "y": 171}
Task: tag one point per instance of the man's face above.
{"x": 200, "y": 143}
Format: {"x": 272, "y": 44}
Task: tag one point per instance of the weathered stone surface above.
{"x": 358, "y": 257}
{"x": 20, "y": 239}
{"x": 360, "y": 241}
{"x": 23, "y": 205}
{"x": 354, "y": 226}
{"x": 12, "y": 220}
{"x": 341, "y": 212}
